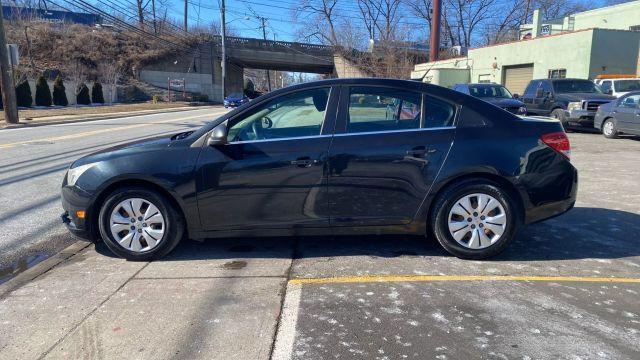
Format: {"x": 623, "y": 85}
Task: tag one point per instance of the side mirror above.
{"x": 218, "y": 135}
{"x": 516, "y": 96}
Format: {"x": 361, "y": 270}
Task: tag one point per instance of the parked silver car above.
{"x": 619, "y": 116}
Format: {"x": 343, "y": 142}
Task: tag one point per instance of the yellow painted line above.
{"x": 102, "y": 131}
{"x": 458, "y": 278}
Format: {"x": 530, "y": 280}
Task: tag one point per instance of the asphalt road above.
{"x": 33, "y": 161}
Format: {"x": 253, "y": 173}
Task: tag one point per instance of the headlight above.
{"x": 574, "y": 106}
{"x": 522, "y": 110}
{"x": 74, "y": 173}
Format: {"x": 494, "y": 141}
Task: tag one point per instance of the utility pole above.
{"x": 224, "y": 50}
{"x": 6, "y": 81}
{"x": 153, "y": 8}
{"x": 186, "y": 9}
{"x": 434, "y": 42}
{"x": 264, "y": 36}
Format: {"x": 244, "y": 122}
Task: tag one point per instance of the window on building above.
{"x": 484, "y": 78}
{"x": 634, "y": 28}
{"x": 557, "y": 74}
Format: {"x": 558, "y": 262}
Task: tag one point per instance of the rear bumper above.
{"x": 554, "y": 198}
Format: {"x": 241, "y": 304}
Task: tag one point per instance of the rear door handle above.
{"x": 420, "y": 151}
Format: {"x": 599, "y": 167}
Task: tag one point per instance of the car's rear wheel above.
{"x": 609, "y": 129}
{"x": 474, "y": 219}
{"x": 140, "y": 224}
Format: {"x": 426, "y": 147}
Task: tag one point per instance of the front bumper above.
{"x": 580, "y": 116}
{"x": 75, "y": 199}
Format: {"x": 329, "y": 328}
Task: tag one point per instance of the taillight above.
{"x": 559, "y": 142}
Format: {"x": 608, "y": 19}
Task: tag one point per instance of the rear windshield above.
{"x": 489, "y": 91}
{"x": 576, "y": 86}
{"x": 627, "y": 85}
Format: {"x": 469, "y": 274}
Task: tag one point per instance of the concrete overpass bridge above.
{"x": 201, "y": 67}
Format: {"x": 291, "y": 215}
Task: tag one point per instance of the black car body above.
{"x": 619, "y": 117}
{"x": 572, "y": 101}
{"x": 342, "y": 174}
{"x": 494, "y": 94}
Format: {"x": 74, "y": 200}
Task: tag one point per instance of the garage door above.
{"x": 516, "y": 78}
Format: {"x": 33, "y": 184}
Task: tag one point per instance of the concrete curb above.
{"x": 42, "y": 267}
{"x": 107, "y": 117}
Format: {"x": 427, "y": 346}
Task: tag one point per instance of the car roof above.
{"x": 562, "y": 79}
{"x": 404, "y": 84}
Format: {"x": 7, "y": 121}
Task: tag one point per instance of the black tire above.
{"x": 559, "y": 114}
{"x": 614, "y": 131}
{"x": 174, "y": 223}
{"x": 444, "y": 203}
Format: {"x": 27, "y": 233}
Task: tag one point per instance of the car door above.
{"x": 380, "y": 168}
{"x": 271, "y": 173}
{"x": 627, "y": 113}
{"x": 529, "y": 97}
{"x": 544, "y": 98}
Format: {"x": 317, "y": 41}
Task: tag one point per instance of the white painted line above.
{"x": 286, "y": 336}
{"x": 215, "y": 112}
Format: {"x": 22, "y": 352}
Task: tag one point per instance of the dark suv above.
{"x": 495, "y": 94}
{"x": 572, "y": 101}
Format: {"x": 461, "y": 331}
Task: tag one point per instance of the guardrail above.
{"x": 271, "y": 45}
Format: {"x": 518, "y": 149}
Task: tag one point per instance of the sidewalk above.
{"x": 30, "y": 118}
{"x": 211, "y": 300}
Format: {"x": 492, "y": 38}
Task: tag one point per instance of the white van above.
{"x": 619, "y": 86}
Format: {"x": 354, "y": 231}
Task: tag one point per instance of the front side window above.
{"x": 630, "y": 101}
{"x": 383, "y": 109}
{"x": 605, "y": 86}
{"x": 293, "y": 115}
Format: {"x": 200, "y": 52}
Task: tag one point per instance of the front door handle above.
{"x": 303, "y": 162}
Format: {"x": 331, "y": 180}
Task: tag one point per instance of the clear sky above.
{"x": 281, "y": 22}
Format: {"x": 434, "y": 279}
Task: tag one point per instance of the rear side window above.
{"x": 531, "y": 89}
{"x": 438, "y": 113}
{"x": 383, "y": 109}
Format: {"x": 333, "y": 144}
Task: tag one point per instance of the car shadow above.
{"x": 582, "y": 233}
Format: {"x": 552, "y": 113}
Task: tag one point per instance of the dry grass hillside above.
{"x": 79, "y": 51}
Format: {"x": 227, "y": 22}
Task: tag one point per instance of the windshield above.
{"x": 489, "y": 91}
{"x": 236, "y": 95}
{"x": 576, "y": 86}
{"x": 627, "y": 85}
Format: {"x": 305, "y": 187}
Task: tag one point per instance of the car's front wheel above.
{"x": 140, "y": 224}
{"x": 609, "y": 129}
{"x": 474, "y": 219}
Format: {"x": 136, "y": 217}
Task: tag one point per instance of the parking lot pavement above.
{"x": 567, "y": 288}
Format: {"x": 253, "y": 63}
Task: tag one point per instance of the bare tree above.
{"x": 111, "y": 74}
{"x": 323, "y": 17}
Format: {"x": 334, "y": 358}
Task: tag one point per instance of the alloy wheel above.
{"x": 607, "y": 129}
{"x": 137, "y": 224}
{"x": 477, "y": 221}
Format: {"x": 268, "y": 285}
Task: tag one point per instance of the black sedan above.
{"x": 495, "y": 94}
{"x": 621, "y": 116}
{"x": 328, "y": 158}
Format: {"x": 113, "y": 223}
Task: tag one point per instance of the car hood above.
{"x": 584, "y": 96}
{"x": 149, "y": 144}
{"x": 504, "y": 102}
